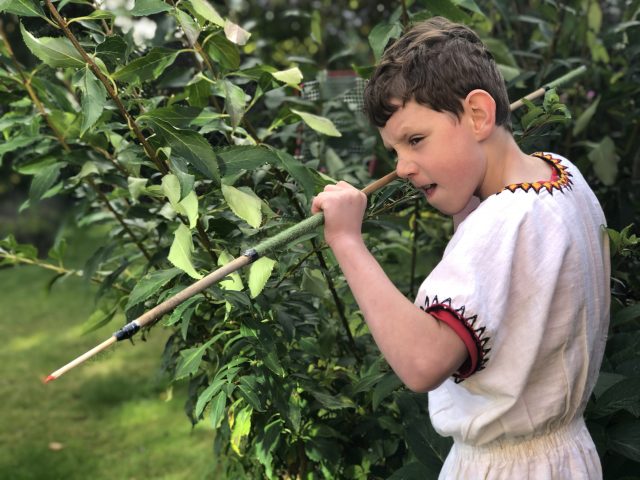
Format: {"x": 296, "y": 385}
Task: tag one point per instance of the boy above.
{"x": 508, "y": 331}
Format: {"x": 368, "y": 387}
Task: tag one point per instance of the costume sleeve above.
{"x": 501, "y": 259}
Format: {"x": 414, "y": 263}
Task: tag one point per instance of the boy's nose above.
{"x": 405, "y": 168}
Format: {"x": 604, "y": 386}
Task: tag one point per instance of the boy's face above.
{"x": 437, "y": 153}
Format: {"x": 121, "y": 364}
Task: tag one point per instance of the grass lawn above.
{"x": 111, "y": 418}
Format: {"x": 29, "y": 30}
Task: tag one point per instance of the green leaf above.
{"x": 67, "y": 123}
{"x": 187, "y": 144}
{"x": 58, "y": 250}
{"x": 292, "y": 76}
{"x": 55, "y": 52}
{"x": 180, "y": 254}
{"x": 380, "y": 36}
{"x": 189, "y": 26}
{"x": 259, "y": 273}
{"x": 113, "y": 50}
{"x": 97, "y": 319}
{"x": 316, "y": 27}
{"x": 144, "y": 8}
{"x": 298, "y": 171}
{"x": 250, "y": 389}
{"x": 313, "y": 282}
{"x": 217, "y": 409}
{"x": 447, "y": 9}
{"x": 184, "y": 310}
{"x": 11, "y": 119}
{"x": 502, "y": 53}
{"x": 244, "y": 205}
{"x": 10, "y": 244}
{"x": 223, "y": 52}
{"x": 367, "y": 382}
{"x": 136, "y": 186}
{"x": 624, "y": 438}
{"x": 241, "y": 429}
{"x": 318, "y": 123}
{"x": 235, "y": 102}
{"x": 43, "y": 181}
{"x": 233, "y": 281}
{"x": 425, "y": 443}
{"x": 179, "y": 116}
{"x": 206, "y": 11}
{"x": 190, "y": 360}
{"x": 149, "y": 286}
{"x": 605, "y": 161}
{"x": 469, "y": 5}
{"x": 411, "y": 470}
{"x": 171, "y": 188}
{"x": 272, "y": 362}
{"x": 23, "y": 8}
{"x": 333, "y": 402}
{"x": 199, "y": 93}
{"x": 626, "y": 314}
{"x": 384, "y": 387}
{"x": 235, "y": 33}
{"x": 237, "y": 159}
{"x": 148, "y": 67}
{"x": 267, "y": 440}
{"x": 205, "y": 397}
{"x": 99, "y": 15}
{"x": 15, "y": 143}
{"x": 94, "y": 98}
{"x": 188, "y": 206}
{"x": 180, "y": 170}
{"x": 583, "y": 120}
{"x": 623, "y": 395}
{"x": 605, "y": 381}
{"x": 533, "y": 113}
{"x": 594, "y": 17}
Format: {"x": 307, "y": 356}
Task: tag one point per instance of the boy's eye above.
{"x": 413, "y": 141}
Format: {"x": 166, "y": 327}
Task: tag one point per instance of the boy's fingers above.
{"x": 316, "y": 204}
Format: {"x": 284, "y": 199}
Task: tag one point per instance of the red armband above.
{"x": 464, "y": 328}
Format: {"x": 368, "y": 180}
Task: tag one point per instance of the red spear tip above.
{"x": 49, "y": 378}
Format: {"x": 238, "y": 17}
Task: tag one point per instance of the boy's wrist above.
{"x": 346, "y": 242}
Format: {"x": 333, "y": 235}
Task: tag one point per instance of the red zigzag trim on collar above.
{"x": 563, "y": 181}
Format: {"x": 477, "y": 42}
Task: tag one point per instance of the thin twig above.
{"x": 116, "y": 214}
{"x": 57, "y": 269}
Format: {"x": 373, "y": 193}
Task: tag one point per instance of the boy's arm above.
{"x": 421, "y": 350}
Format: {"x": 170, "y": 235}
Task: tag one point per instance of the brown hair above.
{"x": 436, "y": 63}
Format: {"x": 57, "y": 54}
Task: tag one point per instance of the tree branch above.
{"x": 151, "y": 153}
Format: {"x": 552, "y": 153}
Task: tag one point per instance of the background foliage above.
{"x": 187, "y": 130}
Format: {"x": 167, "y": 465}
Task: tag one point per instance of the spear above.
{"x": 251, "y": 255}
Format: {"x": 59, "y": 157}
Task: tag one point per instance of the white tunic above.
{"x": 527, "y": 275}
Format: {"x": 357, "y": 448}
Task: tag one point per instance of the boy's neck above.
{"x": 507, "y": 164}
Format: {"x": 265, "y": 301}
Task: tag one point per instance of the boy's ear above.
{"x": 480, "y": 107}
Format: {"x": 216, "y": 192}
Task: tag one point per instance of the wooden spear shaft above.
{"x": 245, "y": 259}
{"x": 305, "y": 226}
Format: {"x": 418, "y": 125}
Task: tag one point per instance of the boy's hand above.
{"x": 343, "y": 206}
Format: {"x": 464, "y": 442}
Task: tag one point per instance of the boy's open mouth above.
{"x": 428, "y": 189}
